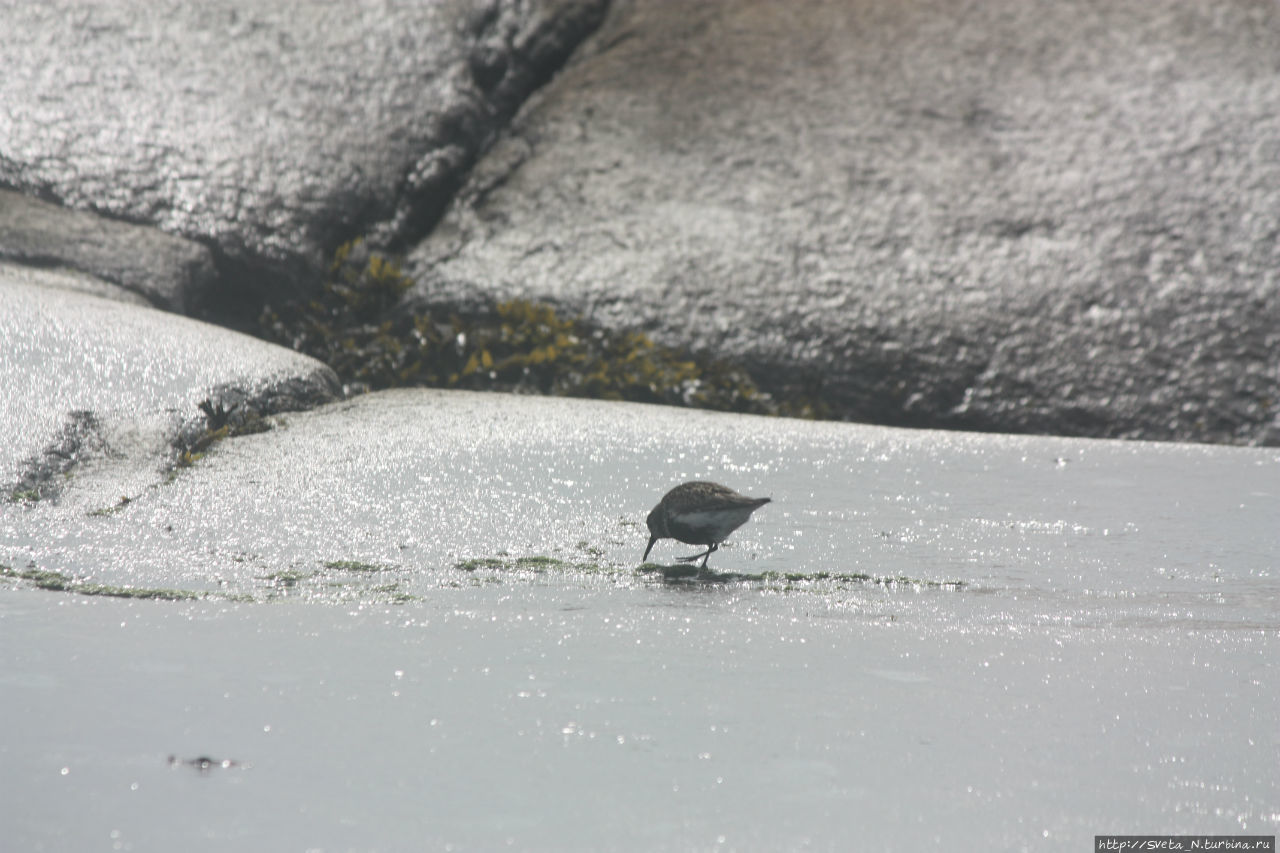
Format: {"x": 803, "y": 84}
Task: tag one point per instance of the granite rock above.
{"x": 1044, "y": 217}
{"x": 169, "y": 272}
{"x": 269, "y": 132}
{"x": 89, "y": 378}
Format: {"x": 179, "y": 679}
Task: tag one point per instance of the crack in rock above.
{"x": 81, "y": 436}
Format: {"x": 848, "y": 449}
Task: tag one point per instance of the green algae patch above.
{"x": 339, "y": 591}
{"x": 492, "y": 569}
{"x": 844, "y": 578}
{"x": 534, "y": 563}
{"x": 391, "y": 593}
{"x": 286, "y": 579}
{"x": 792, "y": 580}
{"x": 58, "y": 582}
{"x": 356, "y": 566}
{"x": 337, "y": 582}
{"x": 356, "y": 325}
{"x": 537, "y": 564}
{"x": 124, "y": 501}
{"x": 477, "y": 563}
{"x": 38, "y": 578}
{"x": 593, "y": 551}
{"x": 135, "y": 592}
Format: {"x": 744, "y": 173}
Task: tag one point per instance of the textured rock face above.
{"x": 271, "y": 132}
{"x": 169, "y": 272}
{"x": 88, "y": 377}
{"x": 1020, "y": 216}
{"x": 1015, "y": 216}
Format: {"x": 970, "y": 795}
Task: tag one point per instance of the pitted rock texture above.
{"x": 271, "y": 132}
{"x": 1045, "y": 217}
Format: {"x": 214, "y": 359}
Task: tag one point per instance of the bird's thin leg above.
{"x": 695, "y": 557}
{"x": 706, "y": 557}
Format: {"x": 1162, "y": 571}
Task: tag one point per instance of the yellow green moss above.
{"x": 352, "y": 325}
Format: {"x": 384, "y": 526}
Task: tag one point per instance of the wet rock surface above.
{"x": 443, "y": 590}
{"x": 270, "y": 133}
{"x": 89, "y": 379}
{"x": 1004, "y": 218}
{"x": 427, "y": 484}
{"x": 1010, "y": 216}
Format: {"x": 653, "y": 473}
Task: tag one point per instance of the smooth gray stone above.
{"x": 89, "y": 379}
{"x": 1045, "y": 217}
{"x": 69, "y": 279}
{"x": 272, "y": 132}
{"x": 1109, "y": 662}
{"x": 170, "y": 272}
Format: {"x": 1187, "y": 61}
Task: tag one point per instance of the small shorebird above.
{"x": 699, "y": 513}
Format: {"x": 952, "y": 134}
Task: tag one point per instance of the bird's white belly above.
{"x": 719, "y": 522}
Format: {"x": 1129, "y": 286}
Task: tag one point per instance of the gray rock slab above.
{"x": 65, "y": 278}
{"x": 169, "y": 272}
{"x": 1045, "y": 217}
{"x": 270, "y": 132}
{"x": 87, "y": 378}
{"x": 1109, "y": 659}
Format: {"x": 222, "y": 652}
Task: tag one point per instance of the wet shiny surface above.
{"x": 1107, "y": 663}
{"x": 572, "y": 719}
{"x": 141, "y": 372}
{"x": 277, "y": 130}
{"x": 230, "y": 121}
{"x": 904, "y": 201}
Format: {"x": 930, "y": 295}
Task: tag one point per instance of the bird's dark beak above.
{"x": 654, "y": 538}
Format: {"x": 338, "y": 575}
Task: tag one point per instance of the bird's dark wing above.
{"x": 730, "y": 500}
